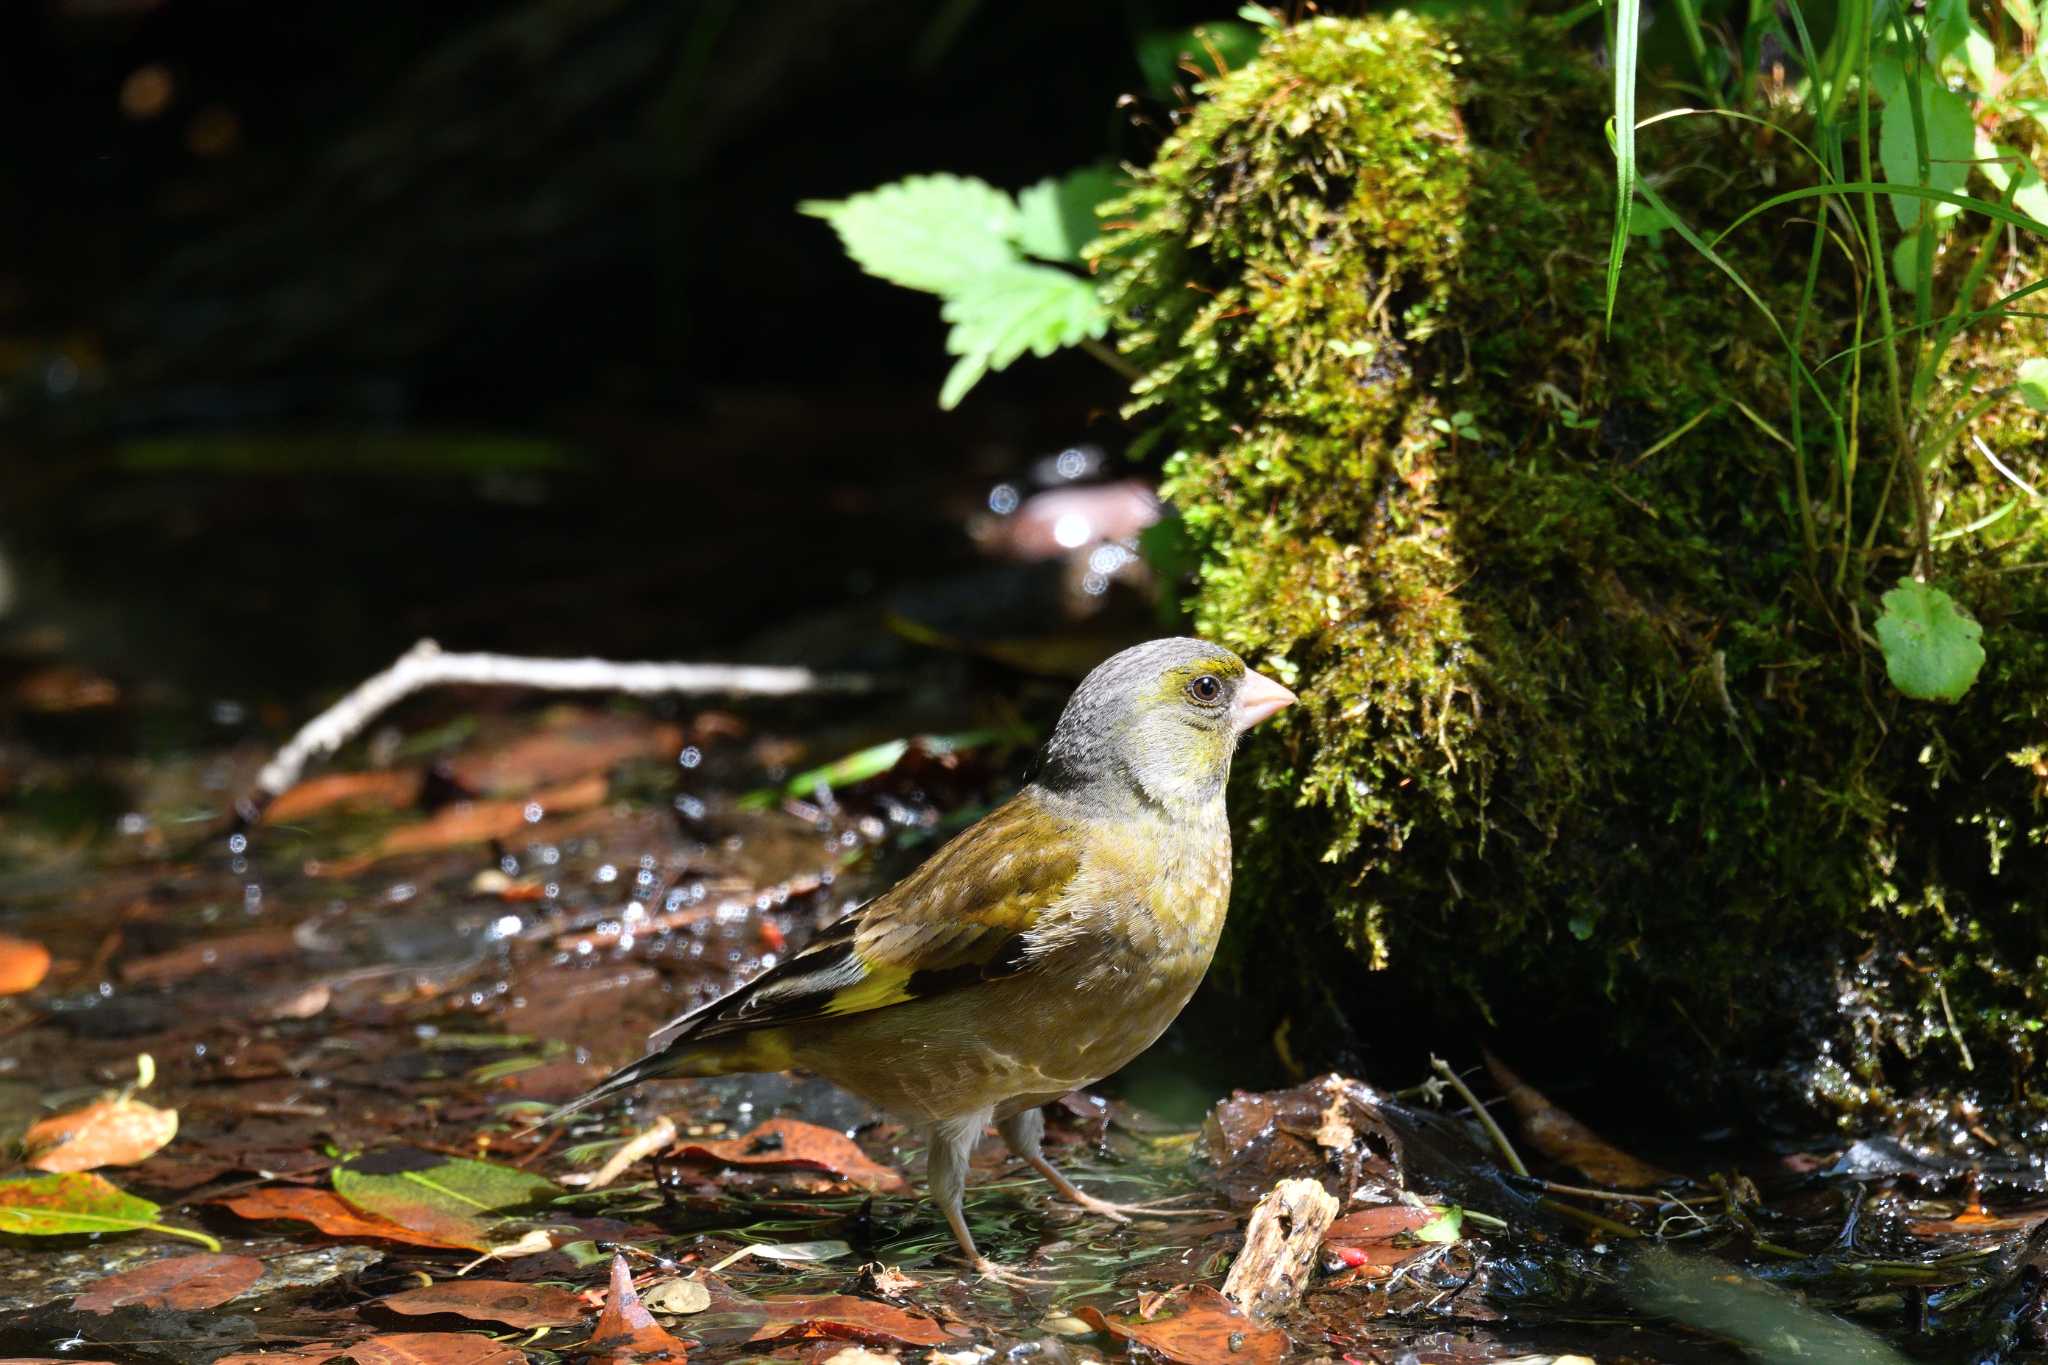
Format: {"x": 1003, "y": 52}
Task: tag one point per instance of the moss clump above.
{"x": 1577, "y": 708}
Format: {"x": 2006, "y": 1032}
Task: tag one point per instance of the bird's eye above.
{"x": 1206, "y": 689}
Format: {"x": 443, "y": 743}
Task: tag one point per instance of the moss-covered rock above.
{"x": 1585, "y": 730}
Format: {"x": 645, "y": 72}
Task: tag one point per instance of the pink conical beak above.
{"x": 1257, "y": 698}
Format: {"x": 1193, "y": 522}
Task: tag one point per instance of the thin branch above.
{"x": 424, "y": 666}
{"x": 1500, "y": 1139}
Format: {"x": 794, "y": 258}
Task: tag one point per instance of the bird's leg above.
{"x": 952, "y": 1143}
{"x": 1025, "y": 1133}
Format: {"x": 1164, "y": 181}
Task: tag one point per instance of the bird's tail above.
{"x": 678, "y": 1059}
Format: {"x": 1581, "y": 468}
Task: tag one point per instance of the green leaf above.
{"x": 1930, "y": 644}
{"x": 1444, "y": 1228}
{"x": 1056, "y": 218}
{"x": 1948, "y": 28}
{"x": 931, "y": 232}
{"x": 1164, "y": 52}
{"x": 80, "y": 1203}
{"x": 1999, "y": 161}
{"x": 451, "y": 1197}
{"x": 1951, "y": 137}
{"x": 2033, "y": 383}
{"x": 1007, "y": 312}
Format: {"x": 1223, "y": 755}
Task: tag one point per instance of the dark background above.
{"x": 326, "y": 326}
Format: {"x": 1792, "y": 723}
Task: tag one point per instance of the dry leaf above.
{"x": 313, "y": 1353}
{"x": 626, "y": 1330}
{"x": 393, "y": 789}
{"x": 849, "y": 1318}
{"x": 1207, "y": 1329}
{"x": 476, "y": 822}
{"x": 203, "y": 1281}
{"x": 679, "y": 1297}
{"x": 23, "y": 965}
{"x": 117, "y": 1132}
{"x": 515, "y": 1305}
{"x": 433, "y": 1348}
{"x": 327, "y": 1211}
{"x": 789, "y": 1142}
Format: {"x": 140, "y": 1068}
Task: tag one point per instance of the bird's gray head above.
{"x": 1158, "y": 723}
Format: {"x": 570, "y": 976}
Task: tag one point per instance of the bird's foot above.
{"x": 1005, "y": 1276}
{"x": 1152, "y": 1208}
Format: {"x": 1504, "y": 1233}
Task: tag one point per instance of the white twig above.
{"x": 424, "y": 666}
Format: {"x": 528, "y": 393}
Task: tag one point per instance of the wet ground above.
{"x": 355, "y": 1009}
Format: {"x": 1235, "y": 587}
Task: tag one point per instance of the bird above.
{"x": 1035, "y": 953}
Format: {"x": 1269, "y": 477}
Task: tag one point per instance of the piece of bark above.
{"x": 1280, "y": 1246}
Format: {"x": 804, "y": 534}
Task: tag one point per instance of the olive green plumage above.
{"x": 1036, "y": 953}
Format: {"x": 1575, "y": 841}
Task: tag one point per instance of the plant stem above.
{"x": 1500, "y": 1139}
{"x": 1112, "y": 359}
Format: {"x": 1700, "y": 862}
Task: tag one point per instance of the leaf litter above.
{"x": 358, "y": 1053}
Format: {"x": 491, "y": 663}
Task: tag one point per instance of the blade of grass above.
{"x": 1627, "y": 32}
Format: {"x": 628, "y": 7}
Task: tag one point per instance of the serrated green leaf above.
{"x": 1931, "y": 649}
{"x": 1056, "y": 218}
{"x": 1951, "y": 138}
{"x": 931, "y": 232}
{"x": 2033, "y": 383}
{"x": 77, "y": 1203}
{"x": 1008, "y": 312}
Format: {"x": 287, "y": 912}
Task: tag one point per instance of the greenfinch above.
{"x": 1037, "y": 952}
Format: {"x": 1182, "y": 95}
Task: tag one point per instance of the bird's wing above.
{"x": 960, "y": 918}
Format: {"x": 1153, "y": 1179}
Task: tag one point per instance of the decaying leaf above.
{"x": 680, "y": 1296}
{"x": 848, "y": 1318}
{"x": 433, "y": 1348}
{"x": 451, "y": 1199}
{"x": 788, "y": 1142}
{"x": 76, "y": 1202}
{"x": 1559, "y": 1136}
{"x": 110, "y": 1132}
{"x": 23, "y": 965}
{"x": 380, "y": 789}
{"x": 1199, "y": 1327}
{"x": 626, "y": 1330}
{"x": 202, "y": 1281}
{"x": 475, "y": 822}
{"x": 1382, "y": 1235}
{"x": 515, "y": 1305}
{"x": 331, "y": 1214}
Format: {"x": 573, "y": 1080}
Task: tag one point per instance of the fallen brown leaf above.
{"x": 581, "y": 743}
{"x": 1559, "y": 1136}
{"x": 1381, "y": 1235}
{"x": 476, "y": 822}
{"x": 844, "y": 1317}
{"x": 116, "y": 1132}
{"x": 23, "y": 965}
{"x": 1208, "y": 1329}
{"x": 626, "y": 1330}
{"x": 313, "y": 1353}
{"x": 203, "y": 1281}
{"x": 433, "y": 1348}
{"x": 789, "y": 1142}
{"x": 390, "y": 789}
{"x": 328, "y": 1212}
{"x": 515, "y": 1305}
{"x": 211, "y": 955}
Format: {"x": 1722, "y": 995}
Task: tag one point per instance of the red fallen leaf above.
{"x": 327, "y": 1211}
{"x": 203, "y": 1281}
{"x": 626, "y": 1331}
{"x": 584, "y": 743}
{"x": 23, "y": 965}
{"x": 211, "y": 955}
{"x": 788, "y": 1142}
{"x": 515, "y": 1305}
{"x": 432, "y": 1348}
{"x": 846, "y": 1318}
{"x": 1208, "y": 1330}
{"x": 313, "y": 1353}
{"x": 1559, "y": 1136}
{"x": 389, "y": 789}
{"x": 117, "y": 1132}
{"x": 1374, "y": 1234}
{"x": 1974, "y": 1222}
{"x": 476, "y": 822}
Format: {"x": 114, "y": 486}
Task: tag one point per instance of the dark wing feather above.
{"x": 960, "y": 918}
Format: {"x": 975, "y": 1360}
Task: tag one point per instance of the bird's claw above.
{"x": 1123, "y": 1213}
{"x": 1003, "y": 1275}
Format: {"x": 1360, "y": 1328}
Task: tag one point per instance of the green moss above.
{"x": 1572, "y": 703}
